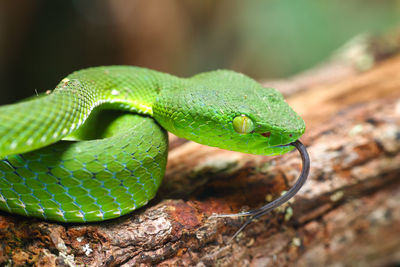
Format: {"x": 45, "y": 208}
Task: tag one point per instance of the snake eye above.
{"x": 243, "y": 124}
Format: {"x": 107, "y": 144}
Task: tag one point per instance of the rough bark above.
{"x": 348, "y": 212}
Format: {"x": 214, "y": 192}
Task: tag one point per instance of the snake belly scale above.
{"x": 96, "y": 147}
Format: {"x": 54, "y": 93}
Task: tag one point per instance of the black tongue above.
{"x": 288, "y": 195}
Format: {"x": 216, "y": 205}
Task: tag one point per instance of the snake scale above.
{"x": 95, "y": 148}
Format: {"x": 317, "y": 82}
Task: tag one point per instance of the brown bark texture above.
{"x": 347, "y": 213}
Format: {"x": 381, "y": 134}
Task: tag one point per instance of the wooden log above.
{"x": 348, "y": 212}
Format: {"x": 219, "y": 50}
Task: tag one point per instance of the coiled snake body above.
{"x": 112, "y": 162}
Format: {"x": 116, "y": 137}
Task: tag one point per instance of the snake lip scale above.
{"x": 95, "y": 148}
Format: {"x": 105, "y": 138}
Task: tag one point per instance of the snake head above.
{"x": 229, "y": 110}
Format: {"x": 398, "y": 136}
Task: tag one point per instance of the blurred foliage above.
{"x": 41, "y": 41}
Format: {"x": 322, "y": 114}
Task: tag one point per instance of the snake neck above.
{"x": 39, "y": 122}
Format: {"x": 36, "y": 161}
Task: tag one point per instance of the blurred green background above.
{"x": 41, "y": 41}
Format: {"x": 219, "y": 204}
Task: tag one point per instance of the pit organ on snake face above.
{"x": 103, "y": 170}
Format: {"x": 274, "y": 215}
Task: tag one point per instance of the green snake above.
{"x": 95, "y": 148}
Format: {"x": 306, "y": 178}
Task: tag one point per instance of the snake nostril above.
{"x": 267, "y": 134}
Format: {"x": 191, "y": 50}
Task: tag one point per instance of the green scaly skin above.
{"x": 112, "y": 162}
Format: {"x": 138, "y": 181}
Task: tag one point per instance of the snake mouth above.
{"x": 287, "y": 145}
